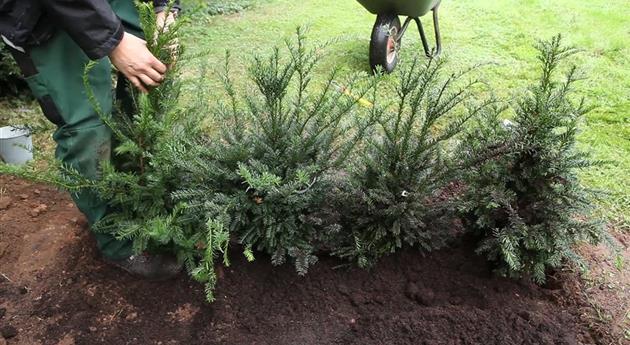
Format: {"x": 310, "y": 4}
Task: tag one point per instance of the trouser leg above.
{"x": 54, "y": 72}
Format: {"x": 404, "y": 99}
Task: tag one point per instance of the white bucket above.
{"x": 16, "y": 145}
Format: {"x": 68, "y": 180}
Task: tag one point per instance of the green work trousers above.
{"x": 54, "y": 72}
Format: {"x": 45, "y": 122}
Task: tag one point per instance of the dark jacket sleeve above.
{"x": 92, "y": 24}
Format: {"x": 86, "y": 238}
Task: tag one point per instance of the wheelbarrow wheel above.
{"x": 385, "y": 44}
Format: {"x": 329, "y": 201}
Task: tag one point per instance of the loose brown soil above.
{"x": 55, "y": 290}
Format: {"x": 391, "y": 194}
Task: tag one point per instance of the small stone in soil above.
{"x": 425, "y": 297}
{"x": 23, "y": 196}
{"x": 378, "y": 300}
{"x": 8, "y": 332}
{"x": 412, "y": 291}
{"x": 5, "y": 203}
{"x": 38, "y": 210}
{"x": 526, "y": 315}
{"x": 421, "y": 296}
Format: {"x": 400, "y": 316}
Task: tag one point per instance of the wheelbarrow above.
{"x": 387, "y": 33}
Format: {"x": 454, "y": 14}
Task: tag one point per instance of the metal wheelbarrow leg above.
{"x": 437, "y": 50}
{"x": 387, "y": 37}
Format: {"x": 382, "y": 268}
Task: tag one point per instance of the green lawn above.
{"x": 501, "y": 33}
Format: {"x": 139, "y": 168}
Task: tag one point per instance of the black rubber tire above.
{"x": 387, "y": 27}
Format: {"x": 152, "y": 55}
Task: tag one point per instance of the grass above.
{"x": 501, "y": 34}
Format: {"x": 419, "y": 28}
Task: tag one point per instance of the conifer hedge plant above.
{"x": 524, "y": 201}
{"x": 139, "y": 181}
{"x": 144, "y": 176}
{"x": 393, "y": 198}
{"x": 294, "y": 166}
{"x": 267, "y": 172}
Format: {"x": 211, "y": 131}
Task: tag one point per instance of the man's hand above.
{"x": 135, "y": 61}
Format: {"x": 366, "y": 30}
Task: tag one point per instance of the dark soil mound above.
{"x": 56, "y": 291}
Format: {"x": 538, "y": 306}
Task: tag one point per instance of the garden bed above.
{"x": 55, "y": 290}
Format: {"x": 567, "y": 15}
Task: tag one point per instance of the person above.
{"x": 52, "y": 41}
